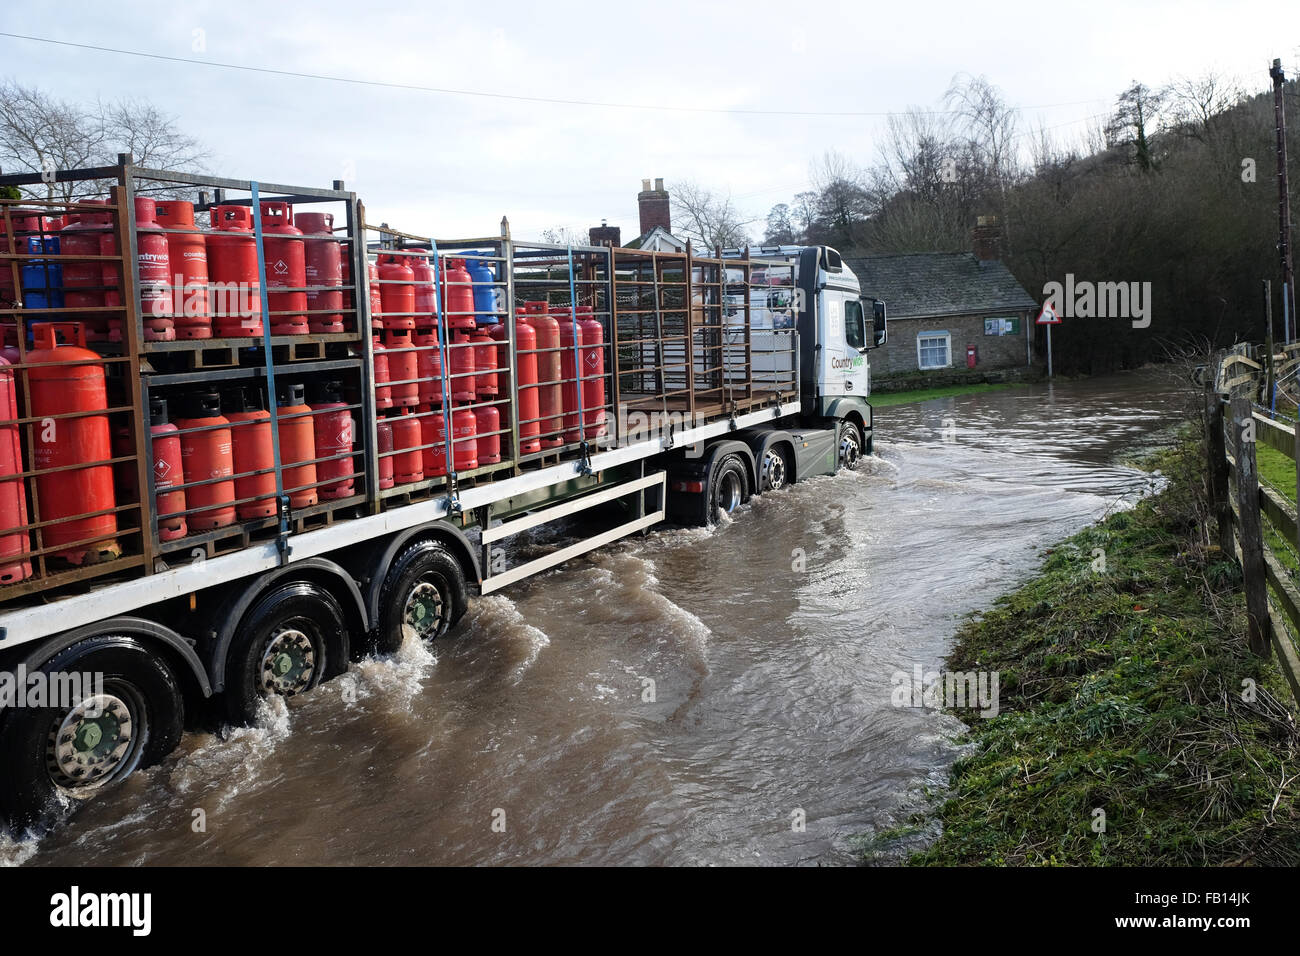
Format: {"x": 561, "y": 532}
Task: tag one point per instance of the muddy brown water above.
{"x": 771, "y": 642}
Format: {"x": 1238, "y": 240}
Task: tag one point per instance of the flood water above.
{"x": 771, "y": 643}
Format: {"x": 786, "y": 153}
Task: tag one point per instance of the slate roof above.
{"x": 925, "y": 284}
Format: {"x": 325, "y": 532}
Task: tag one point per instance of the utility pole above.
{"x": 1283, "y": 203}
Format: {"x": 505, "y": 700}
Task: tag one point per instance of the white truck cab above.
{"x": 809, "y": 288}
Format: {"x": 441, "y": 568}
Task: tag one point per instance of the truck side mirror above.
{"x": 879, "y": 327}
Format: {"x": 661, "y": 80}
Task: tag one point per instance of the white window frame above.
{"x": 947, "y": 341}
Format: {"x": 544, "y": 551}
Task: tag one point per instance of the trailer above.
{"x": 460, "y": 393}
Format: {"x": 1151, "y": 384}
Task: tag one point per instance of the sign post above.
{"x": 1049, "y": 318}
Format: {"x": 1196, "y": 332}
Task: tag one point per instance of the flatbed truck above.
{"x": 709, "y": 397}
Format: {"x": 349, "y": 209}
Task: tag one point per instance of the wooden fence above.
{"x": 1241, "y": 410}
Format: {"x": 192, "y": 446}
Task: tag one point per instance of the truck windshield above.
{"x": 855, "y": 329}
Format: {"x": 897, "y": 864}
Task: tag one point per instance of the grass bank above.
{"x": 1121, "y": 691}
{"x": 886, "y": 399}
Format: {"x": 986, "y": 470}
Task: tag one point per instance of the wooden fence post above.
{"x": 1218, "y": 468}
{"x": 1250, "y": 532}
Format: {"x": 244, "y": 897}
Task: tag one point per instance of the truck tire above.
{"x": 52, "y": 759}
{"x": 280, "y": 647}
{"x": 728, "y": 488}
{"x": 850, "y": 445}
{"x": 423, "y": 594}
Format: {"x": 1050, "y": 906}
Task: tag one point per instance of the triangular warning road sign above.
{"x": 1048, "y": 316}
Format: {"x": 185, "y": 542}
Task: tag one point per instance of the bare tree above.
{"x": 989, "y": 124}
{"x": 1195, "y": 102}
{"x": 42, "y": 134}
{"x": 564, "y": 236}
{"x": 707, "y": 219}
{"x": 150, "y": 135}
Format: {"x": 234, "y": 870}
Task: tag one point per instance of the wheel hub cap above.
{"x": 88, "y": 744}
{"x": 849, "y": 450}
{"x": 287, "y": 664}
{"x": 422, "y": 615}
{"x": 773, "y": 471}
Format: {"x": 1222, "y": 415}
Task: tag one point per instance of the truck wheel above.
{"x": 773, "y": 472}
{"x": 423, "y": 595}
{"x": 54, "y": 758}
{"x": 280, "y": 647}
{"x": 850, "y": 443}
{"x": 728, "y": 488}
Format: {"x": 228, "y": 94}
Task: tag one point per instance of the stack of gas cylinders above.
{"x": 415, "y": 394}
{"x": 211, "y": 442}
{"x": 193, "y": 284}
{"x": 561, "y": 383}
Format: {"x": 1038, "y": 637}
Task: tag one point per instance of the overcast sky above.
{"x": 452, "y": 165}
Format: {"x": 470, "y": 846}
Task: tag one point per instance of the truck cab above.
{"x": 812, "y": 290}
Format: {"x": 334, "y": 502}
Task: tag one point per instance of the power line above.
{"x": 485, "y": 94}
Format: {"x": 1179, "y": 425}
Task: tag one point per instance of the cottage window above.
{"x": 933, "y": 350}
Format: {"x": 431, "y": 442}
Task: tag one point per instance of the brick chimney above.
{"x": 653, "y": 204}
{"x": 986, "y": 239}
{"x": 605, "y": 235}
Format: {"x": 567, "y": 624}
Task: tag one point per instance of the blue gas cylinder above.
{"x": 485, "y": 298}
{"x": 42, "y": 278}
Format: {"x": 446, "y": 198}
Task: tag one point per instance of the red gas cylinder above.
{"x": 82, "y": 442}
{"x": 345, "y": 274}
{"x": 549, "y": 371}
{"x": 460, "y": 356}
{"x": 433, "y": 435}
{"x": 83, "y": 282}
{"x": 396, "y": 291}
{"x": 206, "y": 454}
{"x": 485, "y": 364}
{"x": 464, "y": 444}
{"x": 286, "y": 268}
{"x": 324, "y": 256}
{"x": 407, "y": 462}
{"x": 333, "y": 433}
{"x": 14, "y": 565}
{"x": 402, "y": 368}
{"x": 297, "y": 444}
{"x": 235, "y": 299}
{"x": 168, "y": 472}
{"x": 376, "y": 300}
{"x": 572, "y": 388}
{"x": 591, "y": 355}
{"x": 457, "y": 295}
{"x": 426, "y": 295}
{"x": 155, "y": 277}
{"x": 188, "y": 251}
{"x": 253, "y": 451}
{"x": 383, "y": 393}
{"x": 384, "y": 435}
{"x": 429, "y": 368}
{"x": 487, "y": 420}
{"x": 529, "y": 411}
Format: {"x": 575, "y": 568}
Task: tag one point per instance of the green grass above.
{"x": 1122, "y": 690}
{"x": 885, "y": 399}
